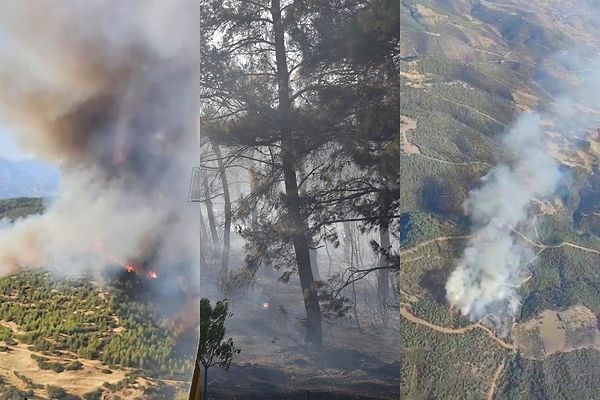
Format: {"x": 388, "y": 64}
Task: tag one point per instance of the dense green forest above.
{"x": 468, "y": 70}
{"x": 57, "y": 315}
{"x": 74, "y": 318}
{"x": 20, "y": 207}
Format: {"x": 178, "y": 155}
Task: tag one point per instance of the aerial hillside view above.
{"x": 499, "y": 225}
{"x": 86, "y": 337}
{"x": 98, "y": 253}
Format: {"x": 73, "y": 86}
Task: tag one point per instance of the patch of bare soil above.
{"x": 18, "y": 360}
{"x": 524, "y": 100}
{"x": 545, "y": 207}
{"x": 413, "y": 75}
{"x": 276, "y": 364}
{"x": 566, "y": 155}
{"x": 430, "y": 15}
{"x": 555, "y": 332}
{"x": 11, "y": 325}
{"x": 406, "y": 125}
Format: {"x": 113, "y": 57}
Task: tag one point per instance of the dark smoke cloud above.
{"x": 108, "y": 91}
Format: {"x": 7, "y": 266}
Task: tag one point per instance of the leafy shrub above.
{"x": 56, "y": 392}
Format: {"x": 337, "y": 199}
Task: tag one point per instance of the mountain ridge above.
{"x": 27, "y": 178}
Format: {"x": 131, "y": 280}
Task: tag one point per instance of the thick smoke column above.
{"x": 487, "y": 277}
{"x": 486, "y": 280}
{"x": 107, "y": 90}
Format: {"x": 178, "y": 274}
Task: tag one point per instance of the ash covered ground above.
{"x": 275, "y": 362}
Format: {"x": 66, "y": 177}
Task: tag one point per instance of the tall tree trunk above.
{"x": 267, "y": 267}
{"x": 348, "y": 248}
{"x": 203, "y": 238}
{"x": 314, "y": 262}
{"x": 383, "y": 275}
{"x": 227, "y": 210}
{"x": 203, "y": 234}
{"x": 205, "y": 393}
{"x": 314, "y": 330}
{"x": 350, "y": 251}
{"x": 210, "y": 213}
{"x": 314, "y": 265}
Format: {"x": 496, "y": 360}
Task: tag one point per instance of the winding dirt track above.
{"x": 530, "y": 241}
{"x": 555, "y": 246}
{"x": 455, "y": 162}
{"x": 490, "y": 395}
{"x": 428, "y": 242}
{"x": 465, "y": 106}
{"x": 404, "y": 312}
{"x": 408, "y": 147}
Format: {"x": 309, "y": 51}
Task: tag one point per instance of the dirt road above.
{"x": 404, "y": 312}
{"x": 438, "y": 239}
{"x": 490, "y": 395}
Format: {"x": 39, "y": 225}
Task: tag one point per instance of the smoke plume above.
{"x": 486, "y": 280}
{"x": 107, "y": 90}
{"x": 488, "y": 275}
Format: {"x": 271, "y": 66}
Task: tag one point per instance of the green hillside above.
{"x": 468, "y": 69}
{"x": 79, "y": 333}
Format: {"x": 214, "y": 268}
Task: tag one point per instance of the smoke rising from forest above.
{"x": 108, "y": 91}
{"x": 489, "y": 274}
{"x": 487, "y": 278}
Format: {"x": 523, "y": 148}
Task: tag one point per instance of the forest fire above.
{"x": 131, "y": 268}
{"x": 134, "y": 269}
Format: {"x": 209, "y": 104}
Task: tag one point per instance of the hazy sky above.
{"x": 8, "y": 147}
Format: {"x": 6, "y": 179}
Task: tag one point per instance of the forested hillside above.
{"x": 11, "y": 209}
{"x": 468, "y": 70}
{"x": 54, "y": 328}
{"x": 62, "y": 324}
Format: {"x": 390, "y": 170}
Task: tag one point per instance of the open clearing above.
{"x": 558, "y": 332}
{"x": 89, "y": 377}
{"x": 406, "y": 125}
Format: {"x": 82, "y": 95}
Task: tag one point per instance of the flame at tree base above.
{"x": 131, "y": 268}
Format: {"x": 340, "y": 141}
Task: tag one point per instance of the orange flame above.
{"x": 130, "y": 267}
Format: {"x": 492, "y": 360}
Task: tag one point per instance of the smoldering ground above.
{"x": 106, "y": 90}
{"x": 268, "y": 324}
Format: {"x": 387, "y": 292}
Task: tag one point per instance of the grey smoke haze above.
{"x": 487, "y": 278}
{"x": 108, "y": 91}
{"x": 488, "y": 275}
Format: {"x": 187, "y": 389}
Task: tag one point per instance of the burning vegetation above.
{"x": 113, "y": 103}
{"x": 107, "y": 91}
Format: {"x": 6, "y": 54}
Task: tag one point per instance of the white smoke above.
{"x": 487, "y": 278}
{"x": 490, "y": 272}
{"x": 108, "y": 91}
